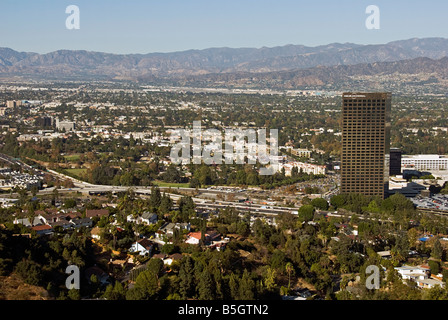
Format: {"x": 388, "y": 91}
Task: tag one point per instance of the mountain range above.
{"x": 286, "y": 66}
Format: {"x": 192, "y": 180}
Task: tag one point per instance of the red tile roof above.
{"x": 196, "y": 235}
{"x": 42, "y": 227}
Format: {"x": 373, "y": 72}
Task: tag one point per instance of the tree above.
{"x": 155, "y": 266}
{"x": 155, "y": 198}
{"x": 205, "y": 175}
{"x": 186, "y": 276}
{"x": 146, "y": 286}
{"x": 269, "y": 279}
{"x": 29, "y": 271}
{"x": 278, "y": 259}
{"x": 165, "y": 204}
{"x": 337, "y": 201}
{"x": 306, "y": 213}
{"x": 434, "y": 266}
{"x": 294, "y": 172}
{"x": 194, "y": 183}
{"x": 373, "y": 207}
{"x": 206, "y": 286}
{"x": 70, "y": 203}
{"x": 412, "y": 236}
{"x": 437, "y": 250}
{"x": 172, "y": 174}
{"x": 252, "y": 179}
{"x": 186, "y": 207}
{"x": 290, "y": 270}
{"x": 401, "y": 249}
{"x": 234, "y": 286}
{"x": 115, "y": 292}
{"x": 246, "y": 287}
{"x": 74, "y": 294}
{"x": 319, "y": 203}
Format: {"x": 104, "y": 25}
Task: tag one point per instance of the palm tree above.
{"x": 290, "y": 269}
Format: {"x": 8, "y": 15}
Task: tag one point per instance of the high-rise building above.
{"x": 365, "y": 143}
{"x": 13, "y": 103}
{"x": 395, "y": 162}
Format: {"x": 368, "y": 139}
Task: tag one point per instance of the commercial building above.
{"x": 425, "y": 162}
{"x": 365, "y": 143}
{"x": 301, "y": 153}
{"x": 65, "y": 125}
{"x": 395, "y": 162}
{"x": 13, "y": 103}
{"x": 302, "y": 167}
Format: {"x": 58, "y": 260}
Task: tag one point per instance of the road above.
{"x": 84, "y": 187}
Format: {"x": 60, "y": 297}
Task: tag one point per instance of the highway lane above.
{"x": 199, "y": 202}
{"x": 85, "y": 187}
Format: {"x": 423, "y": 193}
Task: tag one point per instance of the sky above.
{"x": 145, "y": 26}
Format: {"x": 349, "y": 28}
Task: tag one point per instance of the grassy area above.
{"x": 76, "y": 172}
{"x": 72, "y": 157}
{"x": 171, "y": 185}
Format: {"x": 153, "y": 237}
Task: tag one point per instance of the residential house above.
{"x": 194, "y": 237}
{"x": 81, "y": 222}
{"x": 26, "y": 222}
{"x": 52, "y": 217}
{"x": 43, "y": 229}
{"x": 146, "y": 218}
{"x": 430, "y": 283}
{"x": 384, "y": 254}
{"x": 149, "y": 218}
{"x": 97, "y": 213}
{"x": 167, "y": 230}
{"x": 413, "y": 273}
{"x": 210, "y": 237}
{"x": 143, "y": 247}
{"x": 62, "y": 223}
{"x": 172, "y": 258}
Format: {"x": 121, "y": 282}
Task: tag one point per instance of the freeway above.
{"x": 84, "y": 187}
{"x": 200, "y": 203}
{"x": 14, "y": 161}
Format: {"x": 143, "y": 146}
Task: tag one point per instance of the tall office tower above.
{"x": 395, "y": 162}
{"x": 365, "y": 143}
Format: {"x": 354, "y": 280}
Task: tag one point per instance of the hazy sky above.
{"x": 143, "y": 26}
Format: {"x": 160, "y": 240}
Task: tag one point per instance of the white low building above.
{"x": 308, "y": 168}
{"x": 424, "y": 162}
{"x": 414, "y": 273}
{"x": 146, "y": 218}
{"x": 430, "y": 283}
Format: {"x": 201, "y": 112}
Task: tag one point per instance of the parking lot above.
{"x": 437, "y": 201}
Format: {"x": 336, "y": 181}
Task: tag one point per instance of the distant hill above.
{"x": 418, "y": 71}
{"x": 282, "y": 63}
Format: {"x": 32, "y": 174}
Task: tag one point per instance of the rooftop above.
{"x": 424, "y": 157}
